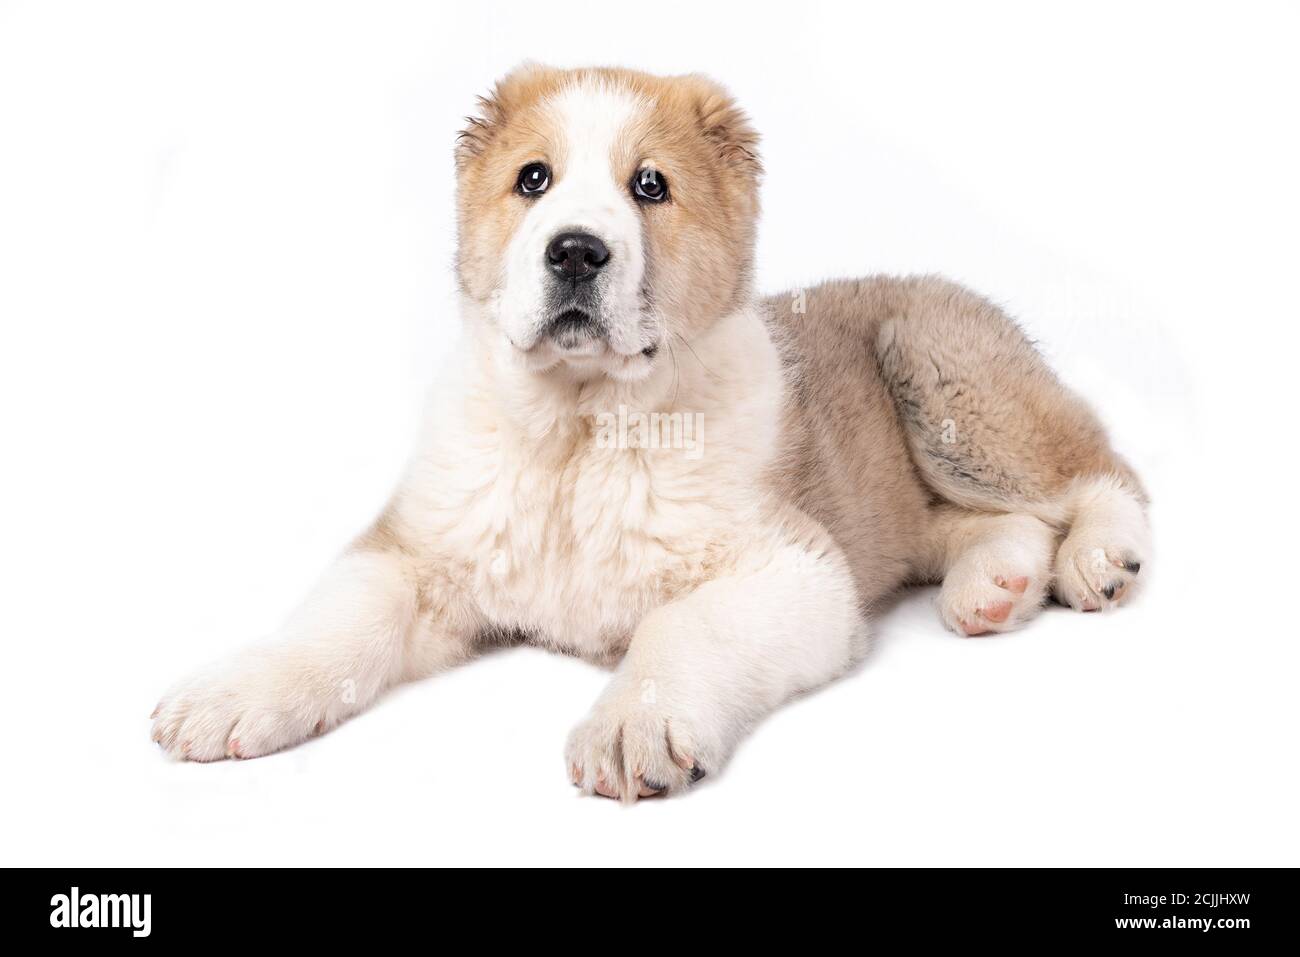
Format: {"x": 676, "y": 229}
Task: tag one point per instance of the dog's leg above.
{"x": 701, "y": 670}
{"x": 361, "y": 630}
{"x": 991, "y": 429}
{"x": 996, "y": 569}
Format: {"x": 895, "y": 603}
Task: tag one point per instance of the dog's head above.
{"x": 602, "y": 211}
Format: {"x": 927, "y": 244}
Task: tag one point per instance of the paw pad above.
{"x": 976, "y": 603}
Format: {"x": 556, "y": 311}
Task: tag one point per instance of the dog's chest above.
{"x": 572, "y": 544}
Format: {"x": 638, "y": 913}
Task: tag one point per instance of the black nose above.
{"x": 576, "y": 256}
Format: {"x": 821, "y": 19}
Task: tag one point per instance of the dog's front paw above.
{"x": 630, "y": 747}
{"x": 246, "y": 707}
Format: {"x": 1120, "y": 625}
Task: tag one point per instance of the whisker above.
{"x": 693, "y": 352}
{"x": 676, "y": 370}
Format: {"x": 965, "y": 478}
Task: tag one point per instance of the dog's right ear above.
{"x": 493, "y": 109}
{"x": 726, "y": 125}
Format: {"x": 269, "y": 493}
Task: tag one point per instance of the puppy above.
{"x": 640, "y": 461}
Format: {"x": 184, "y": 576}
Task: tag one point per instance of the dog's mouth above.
{"x": 575, "y": 330}
{"x": 583, "y": 341}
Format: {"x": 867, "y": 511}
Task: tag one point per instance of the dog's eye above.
{"x": 533, "y": 179}
{"x": 650, "y": 185}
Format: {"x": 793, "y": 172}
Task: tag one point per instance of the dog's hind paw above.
{"x": 1093, "y": 574}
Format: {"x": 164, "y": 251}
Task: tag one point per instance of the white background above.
{"x": 225, "y": 286}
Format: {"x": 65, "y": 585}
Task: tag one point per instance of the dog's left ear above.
{"x": 726, "y": 125}
{"x": 473, "y": 139}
